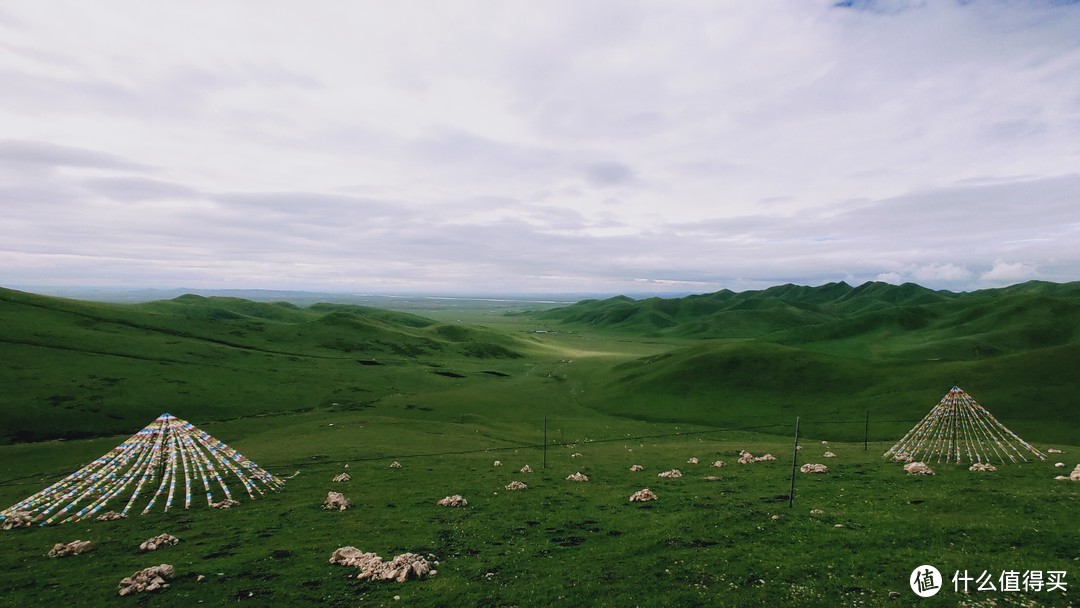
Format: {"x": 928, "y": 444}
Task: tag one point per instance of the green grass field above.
{"x": 447, "y": 391}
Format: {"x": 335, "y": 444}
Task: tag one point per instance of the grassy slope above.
{"x": 834, "y": 354}
{"x": 81, "y": 369}
{"x": 226, "y": 364}
{"x": 704, "y": 543}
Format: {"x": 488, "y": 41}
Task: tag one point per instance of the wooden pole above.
{"x": 794, "y": 461}
{"x": 866, "y": 433}
{"x": 545, "y": 442}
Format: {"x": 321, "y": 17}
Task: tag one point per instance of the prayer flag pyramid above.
{"x": 151, "y": 462}
{"x": 959, "y": 427}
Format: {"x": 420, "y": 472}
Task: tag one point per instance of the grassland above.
{"x": 447, "y": 391}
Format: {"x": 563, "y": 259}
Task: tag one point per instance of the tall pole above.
{"x": 866, "y": 433}
{"x": 794, "y": 459}
{"x": 545, "y": 442}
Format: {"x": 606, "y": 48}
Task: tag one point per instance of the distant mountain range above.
{"x": 901, "y": 320}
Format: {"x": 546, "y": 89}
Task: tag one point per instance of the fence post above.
{"x": 794, "y": 459}
{"x": 545, "y": 442}
{"x": 866, "y": 433}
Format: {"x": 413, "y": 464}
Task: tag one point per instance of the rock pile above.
{"x": 111, "y": 516}
{"x": 498, "y": 463}
{"x": 341, "y": 477}
{"x": 526, "y": 469}
{"x": 147, "y": 580}
{"x": 814, "y": 468}
{"x": 400, "y": 569}
{"x": 637, "y": 467}
{"x": 453, "y": 501}
{"x": 158, "y": 542}
{"x": 1073, "y": 476}
{"x": 516, "y": 485}
{"x": 672, "y": 474}
{"x": 747, "y": 458}
{"x": 982, "y": 466}
{"x": 577, "y": 477}
{"x": 228, "y": 503}
{"x": 643, "y": 496}
{"x": 395, "y": 465}
{"x": 692, "y": 460}
{"x": 18, "y": 519}
{"x": 902, "y": 457}
{"x": 828, "y": 455}
{"x": 918, "y": 468}
{"x": 719, "y": 463}
{"x": 75, "y": 547}
{"x": 336, "y": 500}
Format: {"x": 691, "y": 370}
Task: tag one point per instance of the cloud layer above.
{"x": 540, "y": 147}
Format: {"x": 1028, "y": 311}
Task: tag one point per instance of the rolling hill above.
{"x": 76, "y": 368}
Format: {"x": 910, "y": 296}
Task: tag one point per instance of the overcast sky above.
{"x": 554, "y": 146}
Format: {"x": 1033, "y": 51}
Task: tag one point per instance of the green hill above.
{"x": 871, "y": 319}
{"x": 77, "y": 368}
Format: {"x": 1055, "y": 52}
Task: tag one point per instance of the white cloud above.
{"x": 1004, "y": 272}
{"x": 718, "y": 144}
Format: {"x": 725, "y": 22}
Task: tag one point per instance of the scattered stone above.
{"x": 526, "y": 469}
{"x": 402, "y": 568}
{"x": 719, "y": 463}
{"x": 693, "y": 460}
{"x": 498, "y": 463}
{"x": 982, "y": 466}
{"x": 828, "y": 455}
{"x": 816, "y": 512}
{"x": 1054, "y": 451}
{"x": 336, "y": 500}
{"x": 341, "y": 477}
{"x": 200, "y": 578}
{"x": 453, "y": 501}
{"x": 672, "y": 474}
{"x": 918, "y": 468}
{"x": 894, "y": 595}
{"x": 147, "y": 580}
{"x": 711, "y": 478}
{"x": 637, "y": 467}
{"x": 813, "y": 468}
{"x": 747, "y": 458}
{"x": 111, "y": 516}
{"x": 902, "y": 457}
{"x": 1059, "y": 464}
{"x": 839, "y": 526}
{"x": 576, "y": 455}
{"x": 75, "y": 547}
{"x": 1073, "y": 476}
{"x": 577, "y": 477}
{"x": 395, "y": 465}
{"x": 158, "y": 542}
{"x": 516, "y": 485}
{"x": 228, "y": 503}
{"x": 775, "y": 517}
{"x": 17, "y": 519}
{"x": 643, "y": 496}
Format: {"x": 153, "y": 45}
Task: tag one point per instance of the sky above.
{"x": 563, "y": 146}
